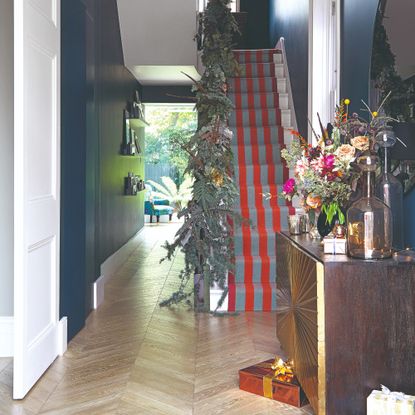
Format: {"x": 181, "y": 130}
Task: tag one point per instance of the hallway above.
{"x": 135, "y": 358}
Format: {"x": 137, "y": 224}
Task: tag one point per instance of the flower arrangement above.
{"x": 325, "y": 175}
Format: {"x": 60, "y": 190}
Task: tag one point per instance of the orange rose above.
{"x": 314, "y": 202}
{"x": 360, "y": 142}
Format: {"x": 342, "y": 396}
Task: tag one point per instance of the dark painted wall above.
{"x": 120, "y": 217}
{"x": 97, "y": 219}
{"x": 358, "y": 19}
{"x": 291, "y": 22}
{"x": 258, "y": 23}
{"x": 73, "y": 136}
{"x": 409, "y": 203}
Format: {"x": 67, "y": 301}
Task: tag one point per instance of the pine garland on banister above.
{"x": 206, "y": 235}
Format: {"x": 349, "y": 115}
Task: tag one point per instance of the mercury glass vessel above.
{"x": 389, "y": 189}
{"x": 369, "y": 220}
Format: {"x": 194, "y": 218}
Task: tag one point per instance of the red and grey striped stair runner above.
{"x": 261, "y": 111}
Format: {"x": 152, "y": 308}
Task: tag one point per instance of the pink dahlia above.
{"x": 329, "y": 162}
{"x": 289, "y": 186}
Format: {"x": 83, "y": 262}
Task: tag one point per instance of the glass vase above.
{"x": 313, "y": 215}
{"x": 390, "y": 190}
{"x": 369, "y": 220}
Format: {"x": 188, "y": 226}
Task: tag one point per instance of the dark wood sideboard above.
{"x": 348, "y": 324}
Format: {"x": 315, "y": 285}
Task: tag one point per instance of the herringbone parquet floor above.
{"x": 135, "y": 358}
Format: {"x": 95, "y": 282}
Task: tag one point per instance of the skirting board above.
{"x": 62, "y": 336}
{"x": 110, "y": 266}
{"x": 6, "y": 336}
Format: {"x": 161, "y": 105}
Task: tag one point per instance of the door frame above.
{"x": 324, "y": 61}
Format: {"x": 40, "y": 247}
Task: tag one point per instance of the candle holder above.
{"x": 295, "y": 224}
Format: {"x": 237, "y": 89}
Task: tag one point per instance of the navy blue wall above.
{"x": 97, "y": 219}
{"x": 358, "y": 20}
{"x": 258, "y": 23}
{"x": 409, "y": 203}
{"x": 120, "y": 217}
{"x": 289, "y": 19}
{"x": 73, "y": 137}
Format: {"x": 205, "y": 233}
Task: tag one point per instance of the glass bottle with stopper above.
{"x": 369, "y": 219}
{"x": 388, "y": 188}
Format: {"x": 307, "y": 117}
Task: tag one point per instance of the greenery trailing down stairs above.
{"x": 206, "y": 235}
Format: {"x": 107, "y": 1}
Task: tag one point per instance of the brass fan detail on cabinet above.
{"x": 297, "y": 317}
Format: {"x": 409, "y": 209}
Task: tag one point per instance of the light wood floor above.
{"x": 135, "y": 358}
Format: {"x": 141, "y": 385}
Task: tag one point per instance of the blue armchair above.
{"x": 158, "y": 207}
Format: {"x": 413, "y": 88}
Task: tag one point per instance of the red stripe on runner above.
{"x": 262, "y": 85}
{"x": 263, "y": 253}
{"x": 245, "y": 228}
{"x": 249, "y": 69}
{"x": 231, "y": 275}
{"x": 249, "y": 293}
{"x": 267, "y": 294}
{"x": 260, "y": 70}
{"x": 260, "y": 211}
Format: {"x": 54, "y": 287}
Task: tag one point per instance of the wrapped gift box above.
{"x": 386, "y": 402}
{"x": 259, "y": 379}
{"x": 334, "y": 245}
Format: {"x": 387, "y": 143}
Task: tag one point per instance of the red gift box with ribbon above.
{"x": 264, "y": 380}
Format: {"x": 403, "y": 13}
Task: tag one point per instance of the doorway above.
{"x": 168, "y": 187}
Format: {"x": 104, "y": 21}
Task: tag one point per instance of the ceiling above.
{"x": 157, "y": 38}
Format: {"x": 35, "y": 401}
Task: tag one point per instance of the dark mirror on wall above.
{"x": 393, "y": 72}
{"x": 393, "y": 59}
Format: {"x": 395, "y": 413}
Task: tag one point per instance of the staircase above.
{"x": 261, "y": 123}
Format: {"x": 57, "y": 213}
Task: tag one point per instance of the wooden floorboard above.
{"x": 134, "y": 357}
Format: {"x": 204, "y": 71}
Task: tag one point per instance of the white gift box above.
{"x": 334, "y": 245}
{"x": 385, "y": 402}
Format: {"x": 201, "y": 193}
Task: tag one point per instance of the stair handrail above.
{"x": 281, "y": 46}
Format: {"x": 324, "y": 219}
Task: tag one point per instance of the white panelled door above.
{"x": 37, "y": 189}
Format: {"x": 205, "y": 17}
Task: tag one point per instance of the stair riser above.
{"x": 259, "y": 294}
{"x": 263, "y": 155}
{"x": 268, "y": 134}
{"x": 260, "y": 118}
{"x": 260, "y": 174}
{"x": 260, "y": 70}
{"x": 257, "y": 85}
{"x": 256, "y": 57}
{"x": 263, "y": 242}
{"x": 264, "y": 100}
{"x": 272, "y": 219}
{"x": 255, "y": 269}
{"x": 255, "y": 195}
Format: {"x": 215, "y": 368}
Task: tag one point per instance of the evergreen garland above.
{"x": 206, "y": 235}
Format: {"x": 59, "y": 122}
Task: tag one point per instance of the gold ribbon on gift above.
{"x": 281, "y": 371}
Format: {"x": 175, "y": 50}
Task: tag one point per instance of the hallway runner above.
{"x": 258, "y": 138}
